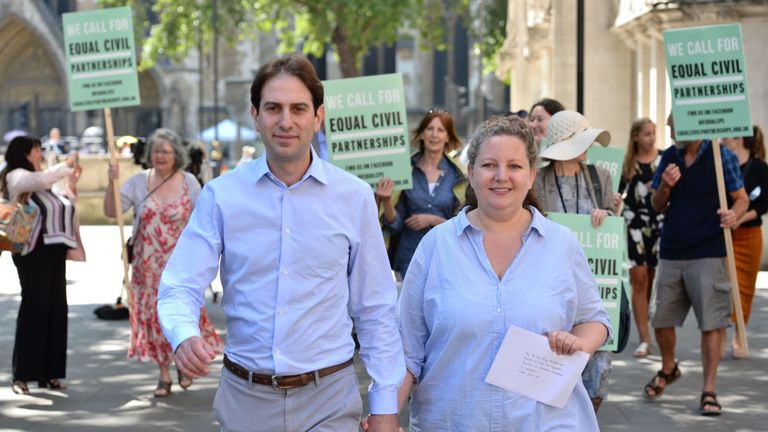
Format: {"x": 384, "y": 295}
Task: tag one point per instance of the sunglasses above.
{"x": 438, "y": 111}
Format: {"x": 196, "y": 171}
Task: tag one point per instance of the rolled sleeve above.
{"x": 397, "y": 225}
{"x": 373, "y": 297}
{"x": 731, "y": 170}
{"x": 191, "y": 268}
{"x": 660, "y": 169}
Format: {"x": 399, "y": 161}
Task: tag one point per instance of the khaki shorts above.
{"x": 702, "y": 283}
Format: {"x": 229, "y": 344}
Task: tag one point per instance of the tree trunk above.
{"x": 346, "y": 52}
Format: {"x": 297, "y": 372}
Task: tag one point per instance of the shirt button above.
{"x": 285, "y": 271}
{"x": 281, "y": 311}
{"x": 277, "y": 351}
{"x": 287, "y": 230}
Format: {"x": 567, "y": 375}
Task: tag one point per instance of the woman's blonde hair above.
{"x": 629, "y": 157}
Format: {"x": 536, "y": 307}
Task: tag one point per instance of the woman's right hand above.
{"x": 384, "y": 189}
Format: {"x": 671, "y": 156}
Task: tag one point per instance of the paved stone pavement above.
{"x": 111, "y": 393}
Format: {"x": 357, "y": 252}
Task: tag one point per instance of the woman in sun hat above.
{"x": 569, "y": 185}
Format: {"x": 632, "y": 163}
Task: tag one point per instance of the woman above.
{"x": 438, "y": 187}
{"x": 568, "y": 185}
{"x": 162, "y": 197}
{"x": 539, "y": 116}
{"x": 498, "y": 263}
{"x": 748, "y": 237}
{"x": 643, "y": 223}
{"x": 40, "y": 349}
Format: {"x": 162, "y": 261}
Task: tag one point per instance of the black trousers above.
{"x": 40, "y": 350}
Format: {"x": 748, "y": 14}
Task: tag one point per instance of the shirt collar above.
{"x": 260, "y": 168}
{"x": 705, "y": 145}
{"x": 461, "y": 223}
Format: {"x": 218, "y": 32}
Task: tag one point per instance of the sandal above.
{"x": 657, "y": 390}
{"x": 709, "y": 399}
{"x": 642, "y": 350}
{"x": 184, "y": 381}
{"x": 163, "y": 389}
{"x": 53, "y": 384}
{"x": 20, "y": 387}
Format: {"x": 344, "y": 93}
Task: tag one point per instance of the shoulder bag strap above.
{"x": 596, "y": 184}
{"x": 147, "y": 196}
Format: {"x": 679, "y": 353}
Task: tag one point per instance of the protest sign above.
{"x": 604, "y": 248}
{"x": 367, "y": 128}
{"x": 101, "y": 59}
{"x": 708, "y": 79}
{"x": 609, "y": 158}
{"x": 707, "y": 75}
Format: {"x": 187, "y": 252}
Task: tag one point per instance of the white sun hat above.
{"x": 570, "y": 135}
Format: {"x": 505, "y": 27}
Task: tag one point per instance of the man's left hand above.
{"x": 381, "y": 423}
{"x": 727, "y": 218}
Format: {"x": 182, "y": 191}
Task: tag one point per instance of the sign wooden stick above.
{"x": 118, "y": 203}
{"x": 729, "y": 255}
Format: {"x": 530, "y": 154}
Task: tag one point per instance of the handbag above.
{"x": 17, "y": 221}
{"x": 129, "y": 249}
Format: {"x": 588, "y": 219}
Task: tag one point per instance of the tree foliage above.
{"x": 170, "y": 28}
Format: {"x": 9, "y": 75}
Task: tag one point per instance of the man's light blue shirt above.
{"x": 455, "y": 312}
{"x": 296, "y": 264}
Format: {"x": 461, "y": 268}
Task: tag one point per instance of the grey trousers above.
{"x": 333, "y": 405}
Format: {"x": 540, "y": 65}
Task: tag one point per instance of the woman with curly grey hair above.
{"x": 162, "y": 198}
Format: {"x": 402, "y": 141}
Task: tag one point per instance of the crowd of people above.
{"x": 301, "y": 246}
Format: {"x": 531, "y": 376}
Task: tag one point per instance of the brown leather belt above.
{"x": 282, "y": 382}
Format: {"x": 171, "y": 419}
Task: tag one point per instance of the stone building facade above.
{"x": 33, "y": 87}
{"x": 624, "y": 69}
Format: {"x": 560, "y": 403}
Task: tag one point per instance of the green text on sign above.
{"x": 101, "y": 59}
{"x": 367, "y": 128}
{"x": 707, "y": 75}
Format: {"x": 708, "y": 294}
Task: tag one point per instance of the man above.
{"x": 692, "y": 267}
{"x": 301, "y": 253}
{"x": 55, "y": 144}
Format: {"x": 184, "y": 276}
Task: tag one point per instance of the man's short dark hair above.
{"x": 291, "y": 64}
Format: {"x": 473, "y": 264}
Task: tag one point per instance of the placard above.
{"x": 101, "y": 59}
{"x": 708, "y": 79}
{"x": 367, "y": 128}
{"x": 605, "y": 248}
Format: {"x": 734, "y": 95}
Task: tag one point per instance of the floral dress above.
{"x": 643, "y": 223}
{"x": 159, "y": 229}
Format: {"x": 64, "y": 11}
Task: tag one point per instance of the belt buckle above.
{"x": 276, "y": 386}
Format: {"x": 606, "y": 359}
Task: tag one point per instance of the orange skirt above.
{"x": 748, "y": 250}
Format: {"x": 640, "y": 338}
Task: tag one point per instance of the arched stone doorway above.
{"x": 32, "y": 88}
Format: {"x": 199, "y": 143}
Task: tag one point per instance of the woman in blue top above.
{"x": 498, "y": 263}
{"x": 438, "y": 187}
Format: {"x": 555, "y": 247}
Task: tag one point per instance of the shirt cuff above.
{"x": 181, "y": 333}
{"x": 382, "y": 402}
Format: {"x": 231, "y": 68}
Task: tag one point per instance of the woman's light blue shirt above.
{"x": 454, "y": 313}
